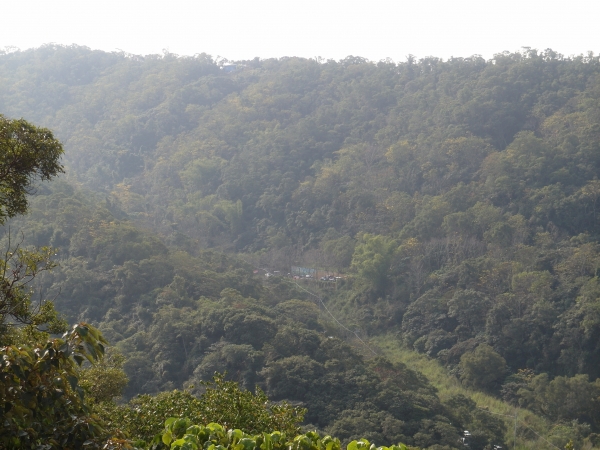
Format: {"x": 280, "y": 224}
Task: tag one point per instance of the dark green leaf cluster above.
{"x": 43, "y": 403}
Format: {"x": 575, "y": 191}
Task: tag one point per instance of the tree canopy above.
{"x": 27, "y": 154}
{"x": 456, "y": 200}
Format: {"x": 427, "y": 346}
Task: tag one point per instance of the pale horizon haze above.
{"x": 238, "y": 29}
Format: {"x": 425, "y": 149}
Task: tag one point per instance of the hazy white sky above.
{"x": 244, "y": 29}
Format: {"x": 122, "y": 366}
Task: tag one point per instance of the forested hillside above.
{"x": 458, "y": 199}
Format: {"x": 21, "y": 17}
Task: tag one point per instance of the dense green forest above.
{"x": 458, "y": 199}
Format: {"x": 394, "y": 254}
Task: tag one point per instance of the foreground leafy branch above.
{"x": 43, "y": 403}
{"x": 181, "y": 434}
{"x": 18, "y": 310}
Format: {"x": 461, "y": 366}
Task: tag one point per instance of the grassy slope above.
{"x": 448, "y": 385}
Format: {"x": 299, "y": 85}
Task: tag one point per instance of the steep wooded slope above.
{"x": 460, "y": 196}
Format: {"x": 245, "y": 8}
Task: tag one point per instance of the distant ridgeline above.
{"x": 459, "y": 198}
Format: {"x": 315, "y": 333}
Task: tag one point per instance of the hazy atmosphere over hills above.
{"x": 441, "y": 211}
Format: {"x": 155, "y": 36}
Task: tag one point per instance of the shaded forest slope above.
{"x": 460, "y": 197}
